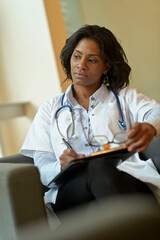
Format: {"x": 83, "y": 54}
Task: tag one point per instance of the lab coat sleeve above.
{"x": 38, "y": 144}
{"x": 143, "y": 108}
{"x": 38, "y": 137}
{"x": 48, "y": 166}
{"x": 153, "y": 117}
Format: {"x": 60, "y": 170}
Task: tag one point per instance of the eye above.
{"x": 76, "y": 56}
{"x": 92, "y": 60}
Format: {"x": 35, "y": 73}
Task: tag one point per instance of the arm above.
{"x": 141, "y": 134}
{"x": 47, "y": 164}
{"x": 49, "y": 167}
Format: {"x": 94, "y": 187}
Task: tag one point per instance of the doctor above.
{"x": 97, "y": 103}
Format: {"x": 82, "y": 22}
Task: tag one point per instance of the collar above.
{"x": 68, "y": 98}
{"x": 98, "y": 95}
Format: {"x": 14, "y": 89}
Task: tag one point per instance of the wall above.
{"x": 136, "y": 24}
{"x": 32, "y": 34}
{"x": 58, "y": 34}
{"x": 28, "y": 70}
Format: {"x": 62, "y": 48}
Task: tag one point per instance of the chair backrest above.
{"x": 153, "y": 152}
{"x": 21, "y": 198}
{"x": 17, "y": 158}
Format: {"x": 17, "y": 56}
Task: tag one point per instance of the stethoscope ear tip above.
{"x": 122, "y": 125}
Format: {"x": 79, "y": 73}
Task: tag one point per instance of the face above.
{"x": 87, "y": 64}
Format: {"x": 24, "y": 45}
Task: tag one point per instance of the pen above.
{"x": 66, "y": 143}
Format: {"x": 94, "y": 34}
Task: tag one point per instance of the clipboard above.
{"x": 111, "y": 155}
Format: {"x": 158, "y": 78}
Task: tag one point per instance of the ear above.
{"x": 106, "y": 68}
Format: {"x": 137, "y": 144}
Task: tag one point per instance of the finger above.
{"x": 135, "y": 141}
{"x": 67, "y": 156}
{"x": 138, "y": 146}
{"x": 133, "y": 131}
{"x": 64, "y": 162}
{"x": 81, "y": 156}
{"x": 142, "y": 148}
{"x": 70, "y": 153}
{"x": 137, "y": 149}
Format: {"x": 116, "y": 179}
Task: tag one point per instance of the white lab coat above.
{"x": 44, "y": 136}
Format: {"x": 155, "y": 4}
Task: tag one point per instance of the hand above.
{"x": 139, "y": 136}
{"x": 68, "y": 155}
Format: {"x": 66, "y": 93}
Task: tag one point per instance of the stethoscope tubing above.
{"x": 63, "y": 106}
{"x": 118, "y": 103}
{"x": 120, "y": 122}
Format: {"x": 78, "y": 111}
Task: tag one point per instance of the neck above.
{"x": 82, "y": 95}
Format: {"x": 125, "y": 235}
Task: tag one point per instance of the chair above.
{"x": 21, "y": 202}
{"x": 21, "y": 198}
{"x": 19, "y": 158}
{"x": 153, "y": 151}
{"x": 132, "y": 217}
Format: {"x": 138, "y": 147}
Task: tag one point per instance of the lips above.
{"x": 81, "y": 75}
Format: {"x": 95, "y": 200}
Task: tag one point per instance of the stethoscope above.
{"x": 121, "y": 123}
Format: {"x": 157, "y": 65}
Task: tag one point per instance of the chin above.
{"x": 79, "y": 82}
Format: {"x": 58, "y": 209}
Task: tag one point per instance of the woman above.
{"x": 97, "y": 66}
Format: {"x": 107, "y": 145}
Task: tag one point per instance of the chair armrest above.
{"x": 153, "y": 152}
{"x": 17, "y": 158}
{"x": 132, "y": 217}
{"x": 21, "y": 198}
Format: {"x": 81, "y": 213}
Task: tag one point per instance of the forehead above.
{"x": 89, "y": 46}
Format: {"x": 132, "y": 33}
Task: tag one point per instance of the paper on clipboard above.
{"x": 121, "y": 153}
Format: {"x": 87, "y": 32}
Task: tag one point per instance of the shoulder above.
{"x": 129, "y": 92}
{"x": 47, "y": 108}
{"x": 51, "y": 103}
{"x": 56, "y": 101}
{"x": 133, "y": 94}
{"x": 134, "y": 98}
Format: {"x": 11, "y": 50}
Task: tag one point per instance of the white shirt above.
{"x": 100, "y": 119}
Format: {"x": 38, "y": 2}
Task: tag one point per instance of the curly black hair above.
{"x": 112, "y": 52}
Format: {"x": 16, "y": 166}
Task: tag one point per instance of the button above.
{"x": 92, "y": 98}
{"x": 92, "y": 106}
{"x": 85, "y": 128}
{"x": 86, "y": 145}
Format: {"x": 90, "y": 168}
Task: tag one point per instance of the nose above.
{"x": 82, "y": 65}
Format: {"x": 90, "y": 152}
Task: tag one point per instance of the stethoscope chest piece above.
{"x": 122, "y": 125}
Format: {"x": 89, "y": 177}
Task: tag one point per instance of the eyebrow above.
{"x": 92, "y": 54}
